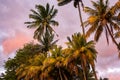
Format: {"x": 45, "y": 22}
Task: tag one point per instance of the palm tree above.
{"x": 42, "y": 20}
{"x": 82, "y": 51}
{"x": 101, "y": 19}
{"x": 76, "y": 4}
{"x": 53, "y": 66}
{"x": 46, "y": 41}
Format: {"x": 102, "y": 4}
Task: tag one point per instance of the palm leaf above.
{"x": 115, "y": 26}
{"x": 41, "y": 10}
{"x": 95, "y": 5}
{"x": 98, "y": 33}
{"x": 91, "y": 30}
{"x": 54, "y": 13}
{"x": 117, "y": 34}
{"x": 115, "y": 8}
{"x": 90, "y": 11}
{"x": 36, "y": 13}
{"x": 106, "y": 33}
{"x": 47, "y": 8}
{"x": 54, "y": 23}
{"x": 51, "y": 10}
{"x": 32, "y": 24}
{"x": 63, "y": 2}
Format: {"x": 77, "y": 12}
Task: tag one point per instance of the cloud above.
{"x": 114, "y": 76}
{"x": 13, "y": 43}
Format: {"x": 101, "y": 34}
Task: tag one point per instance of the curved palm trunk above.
{"x": 81, "y": 19}
{"x": 93, "y": 68}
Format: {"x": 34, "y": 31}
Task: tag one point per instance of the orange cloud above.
{"x": 11, "y": 44}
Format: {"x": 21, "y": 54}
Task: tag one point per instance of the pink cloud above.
{"x": 11, "y": 44}
{"x": 114, "y": 77}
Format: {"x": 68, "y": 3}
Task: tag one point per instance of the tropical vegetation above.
{"x": 102, "y": 18}
{"x": 48, "y": 61}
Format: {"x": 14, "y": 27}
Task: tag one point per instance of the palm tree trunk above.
{"x": 81, "y": 19}
{"x": 84, "y": 75}
{"x": 60, "y": 74}
{"x": 83, "y": 67}
{"x": 94, "y": 73}
{"x": 65, "y": 77}
{"x": 93, "y": 68}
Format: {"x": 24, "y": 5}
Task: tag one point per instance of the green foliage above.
{"x": 9, "y": 75}
{"x": 82, "y": 53}
{"x": 22, "y": 57}
{"x": 102, "y": 18}
{"x": 47, "y": 42}
{"x": 47, "y": 61}
{"x": 42, "y": 20}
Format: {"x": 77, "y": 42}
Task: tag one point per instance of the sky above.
{"x": 14, "y": 33}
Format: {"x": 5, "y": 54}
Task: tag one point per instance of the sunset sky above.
{"x": 14, "y": 34}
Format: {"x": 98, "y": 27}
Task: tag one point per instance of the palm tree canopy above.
{"x": 100, "y": 16}
{"x": 47, "y": 42}
{"x": 42, "y": 19}
{"x": 64, "y": 2}
{"x": 79, "y": 46}
{"x": 81, "y": 51}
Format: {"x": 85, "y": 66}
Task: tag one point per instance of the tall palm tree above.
{"x": 42, "y": 20}
{"x": 76, "y": 4}
{"x": 101, "y": 19}
{"x": 83, "y": 51}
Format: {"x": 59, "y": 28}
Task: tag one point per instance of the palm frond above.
{"x": 98, "y": 33}
{"x": 35, "y": 17}
{"x": 54, "y": 13}
{"x": 95, "y": 5}
{"x": 115, "y": 26}
{"x": 32, "y": 24}
{"x": 41, "y": 10}
{"x": 38, "y": 32}
{"x": 106, "y": 33}
{"x": 34, "y": 12}
{"x": 51, "y": 10}
{"x": 47, "y": 8}
{"x": 54, "y": 23}
{"x": 63, "y": 2}
{"x": 117, "y": 34}
{"x": 115, "y": 8}
{"x": 90, "y": 11}
{"x": 91, "y": 30}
